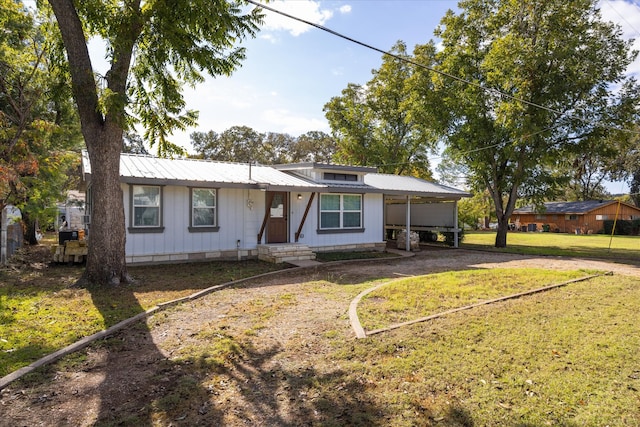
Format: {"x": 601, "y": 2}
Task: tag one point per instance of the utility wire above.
{"x": 622, "y": 16}
{"x": 410, "y": 61}
{"x": 417, "y": 64}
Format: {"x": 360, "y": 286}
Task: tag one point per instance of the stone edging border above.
{"x": 84, "y": 342}
{"x": 361, "y": 333}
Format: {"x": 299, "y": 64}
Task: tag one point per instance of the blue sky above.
{"x": 292, "y": 69}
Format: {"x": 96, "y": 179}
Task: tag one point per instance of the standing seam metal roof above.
{"x": 180, "y": 170}
{"x": 409, "y": 184}
{"x": 135, "y": 167}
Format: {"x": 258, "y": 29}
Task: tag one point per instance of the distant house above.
{"x": 573, "y": 217}
{"x": 187, "y": 209}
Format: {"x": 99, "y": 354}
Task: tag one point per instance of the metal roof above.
{"x": 136, "y": 168}
{"x": 325, "y": 166}
{"x": 566, "y": 207}
{"x": 143, "y": 169}
{"x": 409, "y": 185}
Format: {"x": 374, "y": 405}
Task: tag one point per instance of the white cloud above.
{"x": 268, "y": 37}
{"x": 627, "y": 16}
{"x": 288, "y": 122}
{"x": 345, "y": 9}
{"x": 305, "y": 9}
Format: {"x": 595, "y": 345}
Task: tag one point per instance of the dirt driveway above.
{"x": 241, "y": 356}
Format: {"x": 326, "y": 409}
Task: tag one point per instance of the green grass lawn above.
{"x": 534, "y": 243}
{"x": 416, "y": 297}
{"x": 567, "y": 357}
{"x": 40, "y": 311}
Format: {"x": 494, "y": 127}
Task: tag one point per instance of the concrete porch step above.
{"x": 285, "y": 252}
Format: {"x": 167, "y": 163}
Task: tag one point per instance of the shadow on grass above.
{"x": 253, "y": 388}
{"x": 246, "y": 386}
{"x": 125, "y": 369}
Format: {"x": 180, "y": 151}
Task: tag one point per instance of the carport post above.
{"x": 455, "y": 223}
{"x": 407, "y": 243}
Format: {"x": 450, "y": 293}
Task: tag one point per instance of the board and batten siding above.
{"x": 237, "y": 219}
{"x": 372, "y": 221}
{"x": 240, "y": 213}
{"x": 423, "y": 214}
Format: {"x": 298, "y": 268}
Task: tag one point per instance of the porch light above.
{"x": 299, "y": 196}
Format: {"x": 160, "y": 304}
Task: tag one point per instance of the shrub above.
{"x": 623, "y": 227}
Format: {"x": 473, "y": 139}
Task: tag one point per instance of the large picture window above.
{"x": 146, "y": 201}
{"x": 203, "y": 207}
{"x": 340, "y": 211}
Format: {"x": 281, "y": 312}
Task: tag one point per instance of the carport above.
{"x": 415, "y": 204}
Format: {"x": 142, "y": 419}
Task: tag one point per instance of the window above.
{"x": 146, "y": 206}
{"x": 541, "y": 216}
{"x": 203, "y": 203}
{"x": 571, "y": 217}
{"x": 145, "y": 209}
{"x": 340, "y": 211}
{"x": 331, "y": 176}
{"x": 601, "y": 217}
{"x": 204, "y": 210}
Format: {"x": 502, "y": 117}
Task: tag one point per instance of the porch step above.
{"x": 285, "y": 252}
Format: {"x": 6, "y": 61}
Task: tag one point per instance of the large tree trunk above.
{"x": 106, "y": 257}
{"x": 103, "y": 134}
{"x": 501, "y": 234}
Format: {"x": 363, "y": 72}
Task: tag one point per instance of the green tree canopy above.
{"x": 243, "y": 144}
{"x": 153, "y": 49}
{"x": 536, "y": 81}
{"x": 39, "y": 130}
{"x": 382, "y": 123}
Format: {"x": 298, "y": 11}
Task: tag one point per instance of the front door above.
{"x": 277, "y": 211}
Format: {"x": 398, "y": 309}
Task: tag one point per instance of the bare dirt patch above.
{"x": 251, "y": 355}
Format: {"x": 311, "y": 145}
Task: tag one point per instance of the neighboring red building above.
{"x": 573, "y": 217}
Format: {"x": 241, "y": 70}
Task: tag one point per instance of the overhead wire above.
{"x": 417, "y": 64}
{"x": 401, "y": 58}
{"x": 431, "y": 69}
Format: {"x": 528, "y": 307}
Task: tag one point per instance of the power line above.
{"x": 410, "y": 61}
{"x": 417, "y": 64}
{"x": 622, "y": 16}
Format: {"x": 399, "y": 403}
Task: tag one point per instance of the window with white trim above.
{"x": 340, "y": 211}
{"x": 203, "y": 207}
{"x": 146, "y": 202}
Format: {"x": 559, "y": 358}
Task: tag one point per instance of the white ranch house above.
{"x": 186, "y": 209}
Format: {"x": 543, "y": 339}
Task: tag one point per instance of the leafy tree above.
{"x": 314, "y": 146}
{"x": 39, "y": 131}
{"x": 560, "y": 57}
{"x": 236, "y": 144}
{"x": 634, "y": 187}
{"x": 475, "y": 209}
{"x": 133, "y": 143}
{"x": 173, "y": 42}
{"x": 626, "y": 166}
{"x": 379, "y": 124}
{"x": 243, "y": 144}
